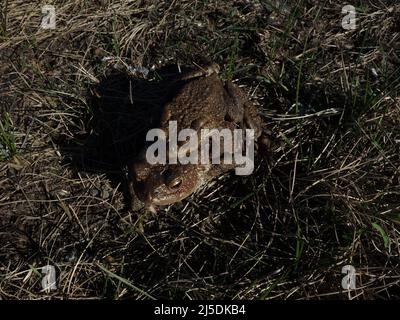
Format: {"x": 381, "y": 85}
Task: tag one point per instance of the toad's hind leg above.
{"x": 235, "y": 103}
{"x": 244, "y": 113}
{"x": 241, "y": 110}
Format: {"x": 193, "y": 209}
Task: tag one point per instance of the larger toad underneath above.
{"x": 204, "y": 101}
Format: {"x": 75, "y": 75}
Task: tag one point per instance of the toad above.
{"x": 204, "y": 101}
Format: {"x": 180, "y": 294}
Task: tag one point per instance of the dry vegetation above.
{"x": 72, "y": 113}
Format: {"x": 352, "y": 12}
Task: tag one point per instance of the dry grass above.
{"x": 73, "y": 110}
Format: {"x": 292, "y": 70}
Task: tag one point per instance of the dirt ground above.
{"x": 77, "y": 99}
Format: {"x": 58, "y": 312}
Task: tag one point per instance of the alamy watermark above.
{"x": 349, "y": 20}
{"x": 183, "y": 147}
{"x": 49, "y": 278}
{"x": 349, "y": 280}
{"x": 49, "y": 17}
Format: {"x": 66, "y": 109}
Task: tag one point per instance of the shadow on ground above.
{"x": 122, "y": 110}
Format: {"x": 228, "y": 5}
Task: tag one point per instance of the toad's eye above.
{"x": 175, "y": 184}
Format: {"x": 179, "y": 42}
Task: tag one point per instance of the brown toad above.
{"x": 204, "y": 101}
